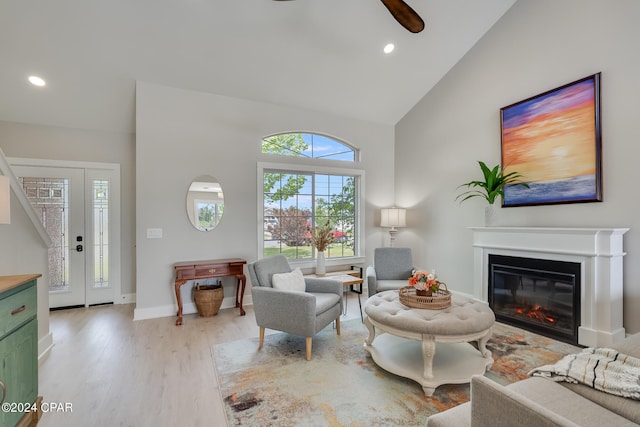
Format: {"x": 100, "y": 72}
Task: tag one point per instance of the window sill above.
{"x": 331, "y": 263}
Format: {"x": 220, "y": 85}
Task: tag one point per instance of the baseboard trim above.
{"x": 187, "y": 308}
{"x": 126, "y": 299}
{"x": 45, "y": 344}
{"x": 154, "y": 312}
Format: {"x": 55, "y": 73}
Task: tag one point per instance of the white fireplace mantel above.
{"x": 599, "y": 252}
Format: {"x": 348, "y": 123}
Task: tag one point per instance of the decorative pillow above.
{"x": 293, "y": 281}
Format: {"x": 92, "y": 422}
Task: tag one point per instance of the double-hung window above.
{"x": 307, "y": 192}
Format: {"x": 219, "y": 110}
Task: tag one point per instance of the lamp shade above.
{"x": 393, "y": 217}
{"x": 5, "y": 198}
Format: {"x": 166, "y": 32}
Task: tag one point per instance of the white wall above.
{"x": 182, "y": 134}
{"x": 55, "y": 143}
{"x": 536, "y": 46}
{"x": 23, "y": 251}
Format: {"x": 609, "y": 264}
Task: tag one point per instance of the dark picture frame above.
{"x": 554, "y": 140}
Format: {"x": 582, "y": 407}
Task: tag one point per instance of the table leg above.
{"x": 428, "y": 352}
{"x": 428, "y": 391}
{"x": 178, "y": 285}
{"x": 360, "y": 305}
{"x": 242, "y": 281}
{"x": 372, "y": 332}
{"x": 482, "y": 344}
{"x": 344, "y": 297}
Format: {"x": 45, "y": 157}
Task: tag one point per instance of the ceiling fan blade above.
{"x": 406, "y": 16}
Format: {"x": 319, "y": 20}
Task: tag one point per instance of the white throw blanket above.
{"x": 601, "y": 368}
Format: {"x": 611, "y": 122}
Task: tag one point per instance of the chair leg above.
{"x": 309, "y": 348}
{"x": 261, "y": 338}
{"x": 338, "y": 325}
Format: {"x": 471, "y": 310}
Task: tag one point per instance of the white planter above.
{"x": 320, "y": 264}
{"x": 490, "y": 215}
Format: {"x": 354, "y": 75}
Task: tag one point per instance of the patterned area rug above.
{"x": 342, "y": 386}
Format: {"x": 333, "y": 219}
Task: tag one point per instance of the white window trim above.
{"x": 316, "y": 169}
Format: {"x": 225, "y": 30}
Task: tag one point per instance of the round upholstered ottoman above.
{"x": 429, "y": 346}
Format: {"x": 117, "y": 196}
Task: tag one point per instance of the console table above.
{"x": 192, "y": 270}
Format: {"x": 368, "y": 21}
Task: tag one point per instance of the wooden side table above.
{"x": 192, "y": 270}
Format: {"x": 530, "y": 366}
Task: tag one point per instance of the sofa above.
{"x": 538, "y": 402}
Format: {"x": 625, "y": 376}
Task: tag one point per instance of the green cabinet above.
{"x": 18, "y": 346}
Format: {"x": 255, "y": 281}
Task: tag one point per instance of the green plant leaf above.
{"x": 493, "y": 184}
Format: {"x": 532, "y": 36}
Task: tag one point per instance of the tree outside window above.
{"x": 296, "y": 203}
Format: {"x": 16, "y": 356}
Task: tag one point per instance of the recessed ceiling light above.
{"x": 36, "y": 81}
{"x": 389, "y": 48}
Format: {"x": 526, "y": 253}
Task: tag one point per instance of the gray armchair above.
{"x": 294, "y": 312}
{"x": 391, "y": 269}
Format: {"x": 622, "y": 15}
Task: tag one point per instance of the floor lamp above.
{"x": 393, "y": 218}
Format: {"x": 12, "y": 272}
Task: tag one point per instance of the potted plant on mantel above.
{"x": 490, "y": 188}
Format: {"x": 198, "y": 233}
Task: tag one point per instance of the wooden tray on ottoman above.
{"x": 438, "y": 301}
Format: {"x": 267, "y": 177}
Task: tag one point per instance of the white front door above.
{"x": 75, "y": 205}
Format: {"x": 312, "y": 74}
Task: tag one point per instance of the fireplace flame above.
{"x": 536, "y": 313}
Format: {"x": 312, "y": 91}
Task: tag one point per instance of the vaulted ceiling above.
{"x": 320, "y": 55}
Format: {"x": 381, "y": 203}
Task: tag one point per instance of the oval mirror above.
{"x": 205, "y": 203}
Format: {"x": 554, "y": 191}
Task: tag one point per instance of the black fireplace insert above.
{"x": 539, "y": 295}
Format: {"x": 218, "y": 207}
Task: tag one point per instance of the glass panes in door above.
{"x": 50, "y": 199}
{"x": 100, "y": 192}
{"x": 82, "y": 268}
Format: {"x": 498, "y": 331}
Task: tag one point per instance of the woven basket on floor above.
{"x": 438, "y": 301}
{"x": 208, "y": 299}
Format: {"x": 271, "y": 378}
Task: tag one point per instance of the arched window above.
{"x": 310, "y": 145}
{"x": 299, "y": 198}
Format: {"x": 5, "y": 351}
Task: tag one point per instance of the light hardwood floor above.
{"x": 117, "y": 372}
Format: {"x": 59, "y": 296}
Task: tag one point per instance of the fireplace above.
{"x": 598, "y": 286}
{"x": 539, "y": 295}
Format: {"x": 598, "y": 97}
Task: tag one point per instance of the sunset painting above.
{"x": 553, "y": 141}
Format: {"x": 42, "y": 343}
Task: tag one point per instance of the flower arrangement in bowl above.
{"x": 425, "y": 283}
